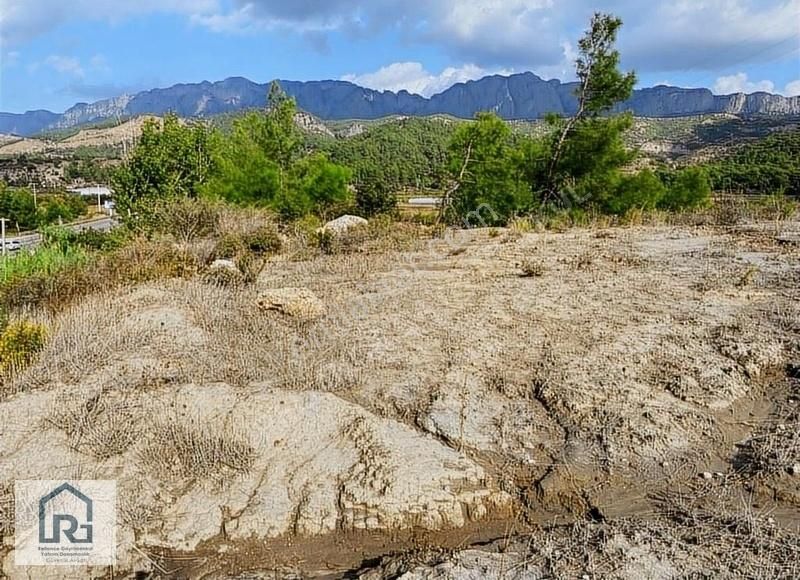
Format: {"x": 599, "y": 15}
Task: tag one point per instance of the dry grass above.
{"x": 182, "y": 449}
{"x": 103, "y": 426}
{"x": 197, "y": 333}
{"x": 6, "y": 509}
{"x": 532, "y": 269}
{"x": 774, "y": 449}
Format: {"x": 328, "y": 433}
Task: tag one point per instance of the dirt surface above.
{"x": 450, "y": 415}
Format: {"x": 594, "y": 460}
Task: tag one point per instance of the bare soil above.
{"x": 627, "y": 408}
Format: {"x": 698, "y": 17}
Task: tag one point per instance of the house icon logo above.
{"x": 65, "y": 516}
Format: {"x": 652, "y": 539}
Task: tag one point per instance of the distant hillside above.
{"x": 517, "y": 97}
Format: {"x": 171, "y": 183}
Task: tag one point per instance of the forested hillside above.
{"x": 771, "y": 165}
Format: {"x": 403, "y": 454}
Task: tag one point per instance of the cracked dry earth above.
{"x": 447, "y": 417}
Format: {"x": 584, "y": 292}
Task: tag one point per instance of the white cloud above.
{"x": 72, "y": 66}
{"x": 9, "y": 59}
{"x": 792, "y": 89}
{"x": 22, "y": 20}
{"x": 412, "y": 77}
{"x": 66, "y": 65}
{"x": 660, "y": 35}
{"x": 740, "y": 83}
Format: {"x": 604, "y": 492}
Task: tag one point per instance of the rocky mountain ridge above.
{"x": 517, "y": 97}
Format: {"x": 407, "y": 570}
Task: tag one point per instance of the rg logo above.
{"x": 64, "y": 517}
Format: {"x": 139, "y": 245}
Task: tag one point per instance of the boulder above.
{"x": 300, "y": 303}
{"x": 228, "y": 265}
{"x": 343, "y": 224}
{"x": 225, "y": 273}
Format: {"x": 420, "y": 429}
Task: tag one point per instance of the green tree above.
{"x": 262, "y": 162}
{"x": 392, "y": 156}
{"x": 642, "y": 190}
{"x": 488, "y": 187}
{"x": 687, "y": 189}
{"x": 316, "y": 186}
{"x": 60, "y": 208}
{"x": 17, "y": 205}
{"x": 279, "y": 136}
{"x": 601, "y": 86}
{"x": 245, "y": 174}
{"x": 172, "y": 159}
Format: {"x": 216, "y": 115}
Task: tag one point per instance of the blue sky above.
{"x": 54, "y": 53}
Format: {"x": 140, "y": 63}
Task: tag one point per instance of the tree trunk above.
{"x": 550, "y": 192}
{"x": 449, "y": 194}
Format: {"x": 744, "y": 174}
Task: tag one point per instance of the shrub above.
{"x": 263, "y": 241}
{"x": 19, "y": 344}
{"x": 102, "y": 241}
{"x": 642, "y": 191}
{"x": 55, "y": 285}
{"x": 531, "y": 269}
{"x": 687, "y": 189}
{"x": 187, "y": 219}
{"x": 224, "y": 276}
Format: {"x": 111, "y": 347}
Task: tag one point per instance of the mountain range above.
{"x": 517, "y": 97}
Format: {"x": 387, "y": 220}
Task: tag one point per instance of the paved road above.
{"x": 103, "y": 224}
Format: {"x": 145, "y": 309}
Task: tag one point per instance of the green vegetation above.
{"x": 262, "y": 162}
{"x": 56, "y": 253}
{"x": 24, "y": 212}
{"x": 391, "y": 157}
{"x": 19, "y": 344}
{"x": 771, "y": 165}
{"x": 172, "y": 160}
{"x": 489, "y": 181}
{"x": 575, "y": 164}
{"x": 87, "y": 169}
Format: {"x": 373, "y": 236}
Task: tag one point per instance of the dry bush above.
{"x": 243, "y": 221}
{"x": 532, "y": 269}
{"x": 83, "y": 339}
{"x": 103, "y": 426}
{"x": 772, "y": 450}
{"x": 188, "y": 219}
{"x": 20, "y": 342}
{"x": 139, "y": 261}
{"x": 181, "y": 449}
{"x": 262, "y": 241}
{"x": 317, "y": 366}
{"x": 223, "y": 276}
{"x": 7, "y": 513}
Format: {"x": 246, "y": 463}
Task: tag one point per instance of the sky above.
{"x": 54, "y": 53}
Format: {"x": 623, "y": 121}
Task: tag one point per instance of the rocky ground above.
{"x": 617, "y": 403}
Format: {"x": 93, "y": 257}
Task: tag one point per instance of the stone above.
{"x": 300, "y": 303}
{"x": 343, "y": 224}
{"x": 224, "y": 265}
{"x": 707, "y": 475}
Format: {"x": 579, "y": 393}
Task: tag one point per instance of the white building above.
{"x": 94, "y": 191}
